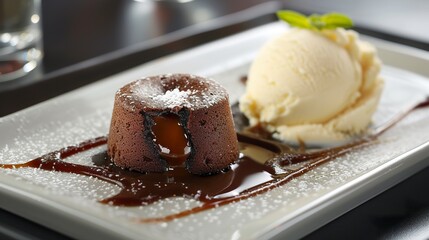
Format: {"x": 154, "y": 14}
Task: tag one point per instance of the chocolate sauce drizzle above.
{"x": 263, "y": 164}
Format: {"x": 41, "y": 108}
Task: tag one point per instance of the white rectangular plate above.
{"x": 68, "y": 202}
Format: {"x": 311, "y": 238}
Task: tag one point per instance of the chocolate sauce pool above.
{"x": 263, "y": 164}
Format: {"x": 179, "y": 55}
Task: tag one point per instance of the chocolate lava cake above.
{"x": 172, "y": 120}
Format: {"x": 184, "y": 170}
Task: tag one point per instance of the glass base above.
{"x": 20, "y": 53}
{"x": 19, "y": 64}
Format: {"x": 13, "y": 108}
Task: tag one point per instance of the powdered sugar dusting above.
{"x": 172, "y": 91}
{"x": 175, "y": 97}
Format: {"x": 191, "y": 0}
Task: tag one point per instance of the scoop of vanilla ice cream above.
{"x": 317, "y": 87}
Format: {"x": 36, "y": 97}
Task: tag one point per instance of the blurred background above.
{"x": 85, "y": 41}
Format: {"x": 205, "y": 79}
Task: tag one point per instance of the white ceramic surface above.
{"x": 67, "y": 202}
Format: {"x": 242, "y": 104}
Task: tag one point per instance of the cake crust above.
{"x": 203, "y": 109}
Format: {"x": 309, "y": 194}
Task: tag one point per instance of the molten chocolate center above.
{"x": 171, "y": 139}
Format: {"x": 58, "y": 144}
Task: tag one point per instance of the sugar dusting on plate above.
{"x": 82, "y": 193}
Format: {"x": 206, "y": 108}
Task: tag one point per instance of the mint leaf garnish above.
{"x": 315, "y": 21}
{"x": 295, "y": 19}
{"x": 336, "y": 20}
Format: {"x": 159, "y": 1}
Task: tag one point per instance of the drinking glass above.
{"x": 20, "y": 38}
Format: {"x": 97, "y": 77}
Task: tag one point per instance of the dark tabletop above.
{"x": 85, "y": 41}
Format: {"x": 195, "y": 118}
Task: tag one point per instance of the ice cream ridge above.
{"x": 316, "y": 83}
